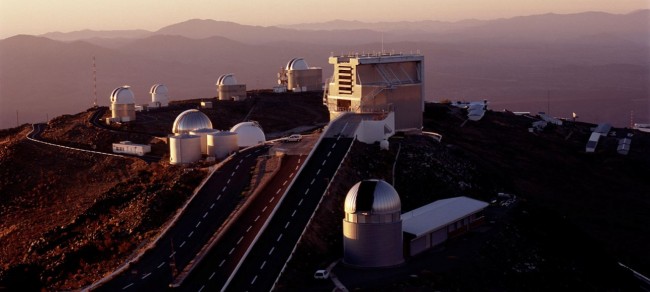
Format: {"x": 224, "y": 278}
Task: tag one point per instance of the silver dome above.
{"x": 297, "y": 64}
{"x": 191, "y": 120}
{"x": 373, "y": 197}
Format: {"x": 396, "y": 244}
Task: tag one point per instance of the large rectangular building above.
{"x": 378, "y": 83}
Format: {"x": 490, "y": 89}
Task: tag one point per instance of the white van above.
{"x": 321, "y": 274}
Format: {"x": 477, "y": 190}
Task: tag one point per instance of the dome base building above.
{"x": 159, "y": 96}
{"x": 297, "y": 76}
{"x": 372, "y": 227}
{"x": 229, "y": 89}
{"x": 122, "y": 105}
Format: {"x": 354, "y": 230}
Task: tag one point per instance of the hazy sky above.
{"x": 41, "y": 16}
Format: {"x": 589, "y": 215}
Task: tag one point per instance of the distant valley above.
{"x": 594, "y": 64}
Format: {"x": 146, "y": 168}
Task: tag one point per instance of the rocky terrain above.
{"x": 67, "y": 217}
{"x": 576, "y": 216}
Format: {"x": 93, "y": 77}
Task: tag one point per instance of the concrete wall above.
{"x": 123, "y": 112}
{"x": 229, "y": 92}
{"x": 310, "y": 79}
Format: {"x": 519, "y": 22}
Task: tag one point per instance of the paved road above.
{"x": 222, "y": 260}
{"x": 203, "y": 216}
{"x": 267, "y": 257}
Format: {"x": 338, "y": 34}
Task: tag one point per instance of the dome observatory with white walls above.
{"x": 297, "y": 76}
{"x": 249, "y": 134}
{"x": 191, "y": 120}
{"x": 159, "y": 95}
{"x": 122, "y": 105}
{"x": 229, "y": 89}
{"x": 372, "y": 227}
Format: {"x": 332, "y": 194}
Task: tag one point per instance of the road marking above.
{"x": 249, "y": 228}
{"x": 228, "y": 181}
{"x": 212, "y": 206}
{"x": 205, "y": 215}
{"x": 258, "y": 217}
{"x": 286, "y": 225}
{"x": 296, "y": 167}
{"x": 294, "y": 213}
{"x": 318, "y": 172}
{"x": 271, "y": 200}
{"x": 242, "y": 160}
{"x": 221, "y": 263}
{"x": 254, "y": 280}
{"x": 271, "y": 251}
{"x": 279, "y": 237}
{"x": 307, "y": 191}
{"x": 237, "y": 167}
{"x": 278, "y": 191}
{"x": 219, "y": 197}
{"x": 324, "y": 162}
{"x": 247, "y": 156}
{"x": 299, "y": 160}
{"x": 285, "y": 182}
{"x": 329, "y": 153}
{"x": 312, "y": 181}
{"x": 224, "y": 188}
{"x": 300, "y": 203}
{"x": 291, "y": 175}
{"x": 230, "y": 252}
{"x": 127, "y": 286}
{"x": 146, "y": 275}
{"x": 190, "y": 235}
{"x": 161, "y": 264}
{"x": 263, "y": 264}
{"x": 264, "y": 208}
{"x": 182, "y": 244}
{"x": 333, "y": 145}
{"x": 201, "y": 288}
{"x": 238, "y": 241}
{"x": 198, "y": 223}
{"x": 171, "y": 255}
{"x": 232, "y": 174}
{"x": 210, "y": 278}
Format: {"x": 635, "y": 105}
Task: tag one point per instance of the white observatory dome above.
{"x": 122, "y": 95}
{"x": 372, "y": 197}
{"x": 297, "y": 64}
{"x": 191, "y": 120}
{"x": 227, "y": 79}
{"x": 249, "y": 134}
{"x": 159, "y": 89}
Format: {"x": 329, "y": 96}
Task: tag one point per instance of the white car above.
{"x": 294, "y": 138}
{"x": 321, "y": 274}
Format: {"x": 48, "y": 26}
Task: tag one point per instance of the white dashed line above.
{"x": 284, "y": 183}
{"x": 190, "y": 235}
{"x": 197, "y": 224}
{"x": 182, "y": 244}
{"x": 210, "y": 278}
{"x": 271, "y": 200}
{"x": 264, "y": 208}
{"x": 127, "y": 286}
{"x": 224, "y": 188}
{"x": 212, "y": 206}
{"x": 230, "y": 252}
{"x": 146, "y": 275}
{"x": 279, "y": 237}
{"x": 307, "y": 191}
{"x": 333, "y": 145}
{"x": 324, "y": 161}
{"x": 286, "y": 225}
{"x": 249, "y": 228}
{"x": 294, "y": 213}
{"x": 296, "y": 167}
{"x": 205, "y": 215}
{"x": 201, "y": 289}
{"x": 219, "y": 197}
{"x": 258, "y": 217}
{"x": 299, "y": 159}
{"x": 329, "y": 153}
{"x": 253, "y": 280}
{"x": 278, "y": 191}
{"x": 312, "y": 181}
{"x": 318, "y": 172}
{"x": 228, "y": 181}
{"x": 300, "y": 203}
{"x": 221, "y": 263}
{"x": 248, "y": 155}
{"x": 291, "y": 175}
{"x": 232, "y": 174}
{"x": 237, "y": 167}
{"x": 171, "y": 255}
{"x": 240, "y": 239}
{"x": 263, "y": 264}
{"x": 161, "y": 264}
{"x": 271, "y": 251}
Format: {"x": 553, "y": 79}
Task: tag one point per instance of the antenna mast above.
{"x": 94, "y": 82}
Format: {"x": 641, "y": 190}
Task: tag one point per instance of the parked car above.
{"x": 294, "y": 138}
{"x": 321, "y": 274}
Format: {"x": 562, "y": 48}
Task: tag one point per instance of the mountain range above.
{"x": 595, "y": 64}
